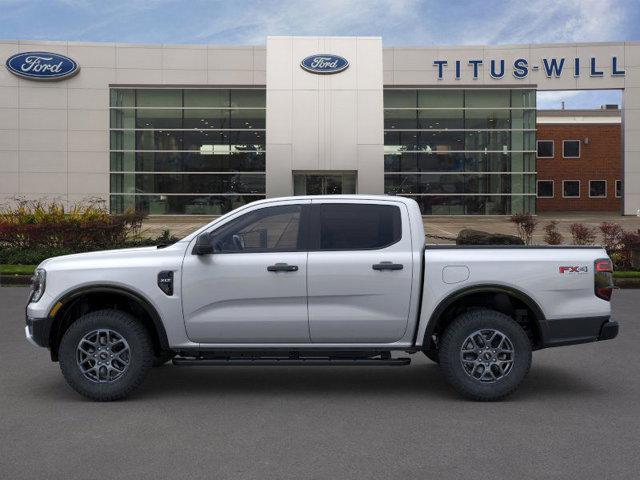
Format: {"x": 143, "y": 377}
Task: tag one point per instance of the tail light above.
{"x": 603, "y": 278}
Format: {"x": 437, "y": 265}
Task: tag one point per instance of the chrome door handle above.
{"x": 282, "y": 267}
{"x": 387, "y": 266}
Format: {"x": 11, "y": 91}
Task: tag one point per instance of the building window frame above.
{"x": 579, "y": 148}
{"x": 571, "y": 196}
{"x": 618, "y": 189}
{"x": 598, "y": 196}
{"x": 552, "y": 189}
{"x": 553, "y": 148}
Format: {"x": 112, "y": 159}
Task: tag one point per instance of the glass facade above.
{"x": 186, "y": 151}
{"x": 466, "y": 152}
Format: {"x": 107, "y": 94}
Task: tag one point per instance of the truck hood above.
{"x": 118, "y": 255}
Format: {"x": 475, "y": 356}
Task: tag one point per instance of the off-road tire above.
{"x": 140, "y": 358}
{"x": 450, "y": 354}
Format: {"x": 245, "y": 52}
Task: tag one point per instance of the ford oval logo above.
{"x": 324, "y": 63}
{"x": 42, "y": 66}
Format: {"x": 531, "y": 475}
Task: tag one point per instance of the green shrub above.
{"x": 82, "y": 227}
{"x": 31, "y": 232}
{"x": 525, "y": 226}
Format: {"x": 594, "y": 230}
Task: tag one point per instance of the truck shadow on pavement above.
{"x": 424, "y": 380}
{"x": 420, "y": 380}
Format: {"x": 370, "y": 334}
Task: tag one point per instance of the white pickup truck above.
{"x": 323, "y": 280}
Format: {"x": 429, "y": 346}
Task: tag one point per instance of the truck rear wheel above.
{"x": 105, "y": 355}
{"x": 485, "y": 355}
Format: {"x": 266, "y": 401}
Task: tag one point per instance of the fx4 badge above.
{"x": 574, "y": 269}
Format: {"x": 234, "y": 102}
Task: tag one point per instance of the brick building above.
{"x": 579, "y": 161}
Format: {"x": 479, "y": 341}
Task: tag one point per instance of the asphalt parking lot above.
{"x": 576, "y": 416}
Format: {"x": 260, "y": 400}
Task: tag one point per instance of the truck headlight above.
{"x": 38, "y": 283}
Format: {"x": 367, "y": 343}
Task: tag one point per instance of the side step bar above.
{"x": 266, "y": 361}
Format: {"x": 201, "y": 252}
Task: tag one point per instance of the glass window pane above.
{"x": 204, "y": 118}
{"x": 188, "y": 162}
{"x": 598, "y": 188}
{"x": 571, "y": 148}
{"x": 440, "y": 99}
{"x": 545, "y": 148}
{"x": 358, "y": 227}
{"x": 122, "y": 97}
{"x": 401, "y": 119}
{"x": 123, "y": 140}
{"x": 158, "y": 118}
{"x": 488, "y": 119}
{"x": 400, "y": 99}
{"x": 247, "y": 118}
{"x": 187, "y": 183}
{"x": 180, "y": 204}
{"x": 497, "y": 140}
{"x": 206, "y": 98}
{"x": 159, "y": 139}
{"x": 248, "y": 98}
{"x": 570, "y": 188}
{"x": 268, "y": 229}
{"x": 488, "y": 98}
{"x": 123, "y": 118}
{"x": 441, "y": 119}
{"x": 545, "y": 188}
{"x": 158, "y": 98}
{"x": 442, "y": 141}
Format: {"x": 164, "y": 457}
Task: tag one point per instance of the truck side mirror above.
{"x": 203, "y": 245}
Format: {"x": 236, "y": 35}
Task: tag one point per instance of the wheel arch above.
{"x": 499, "y": 297}
{"x": 89, "y": 298}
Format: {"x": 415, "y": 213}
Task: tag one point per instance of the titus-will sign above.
{"x": 42, "y": 66}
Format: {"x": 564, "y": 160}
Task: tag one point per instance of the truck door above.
{"x": 359, "y": 271}
{"x": 253, "y": 288}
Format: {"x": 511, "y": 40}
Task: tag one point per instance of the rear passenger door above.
{"x": 359, "y": 271}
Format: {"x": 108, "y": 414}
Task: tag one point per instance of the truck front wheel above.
{"x": 485, "y": 354}
{"x": 105, "y": 355}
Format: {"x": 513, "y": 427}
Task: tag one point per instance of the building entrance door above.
{"x": 324, "y": 183}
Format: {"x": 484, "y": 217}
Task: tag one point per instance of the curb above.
{"x": 15, "y": 280}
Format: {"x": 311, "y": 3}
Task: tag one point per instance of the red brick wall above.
{"x": 600, "y": 159}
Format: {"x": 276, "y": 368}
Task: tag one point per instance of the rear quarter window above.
{"x": 358, "y": 226}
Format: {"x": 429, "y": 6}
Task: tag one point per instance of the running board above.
{"x": 266, "y": 361}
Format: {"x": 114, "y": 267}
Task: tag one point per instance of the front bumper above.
{"x": 571, "y": 331}
{"x": 37, "y": 331}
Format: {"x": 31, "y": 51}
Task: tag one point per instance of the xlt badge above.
{"x": 165, "y": 281}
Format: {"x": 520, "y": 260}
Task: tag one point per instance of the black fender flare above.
{"x": 540, "y": 320}
{"x": 68, "y": 299}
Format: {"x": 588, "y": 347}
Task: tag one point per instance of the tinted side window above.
{"x": 358, "y": 227}
{"x": 272, "y": 229}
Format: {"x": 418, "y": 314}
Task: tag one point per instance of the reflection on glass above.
{"x": 176, "y": 143}
{"x": 429, "y": 132}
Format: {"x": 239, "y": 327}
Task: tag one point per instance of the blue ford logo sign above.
{"x": 324, "y": 63}
{"x": 42, "y": 66}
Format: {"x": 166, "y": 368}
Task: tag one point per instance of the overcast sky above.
{"x": 399, "y": 22}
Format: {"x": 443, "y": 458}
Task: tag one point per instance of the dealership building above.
{"x": 203, "y": 129}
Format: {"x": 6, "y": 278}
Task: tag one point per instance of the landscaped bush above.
{"x": 582, "y": 234}
{"x": 83, "y": 227}
{"x": 551, "y": 234}
{"x": 33, "y": 230}
{"x": 525, "y": 226}
{"x": 611, "y": 236}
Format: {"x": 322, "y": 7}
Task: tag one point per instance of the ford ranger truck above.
{"x": 322, "y": 280}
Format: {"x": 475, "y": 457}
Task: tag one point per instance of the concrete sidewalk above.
{"x": 446, "y": 226}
